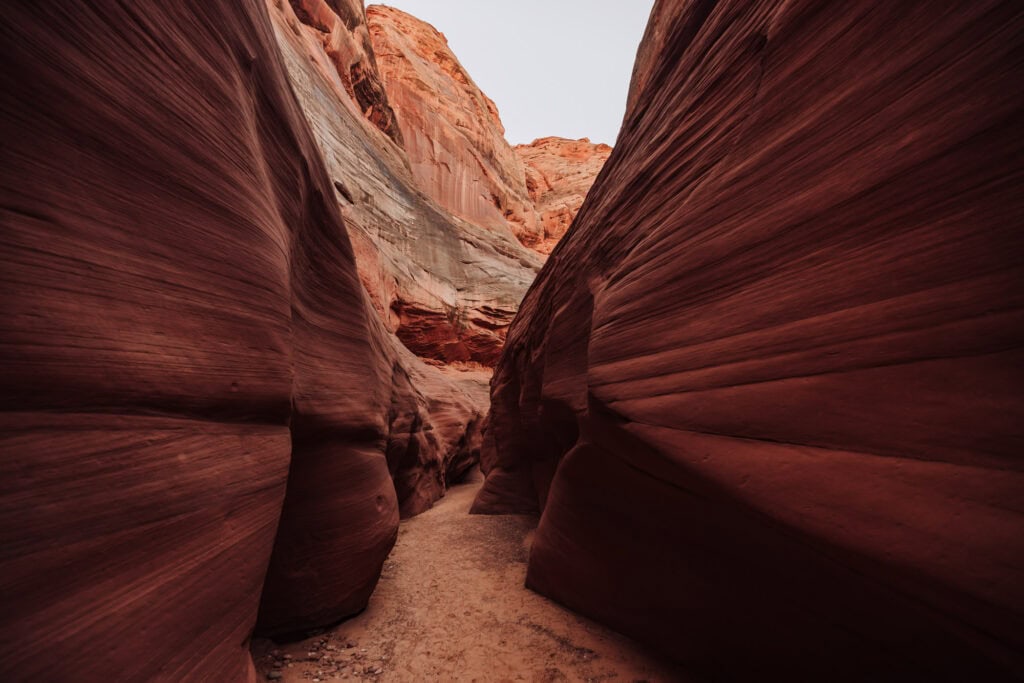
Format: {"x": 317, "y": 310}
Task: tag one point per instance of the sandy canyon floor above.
{"x": 451, "y": 606}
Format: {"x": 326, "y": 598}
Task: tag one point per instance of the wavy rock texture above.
{"x": 447, "y": 288}
{"x": 767, "y": 392}
{"x": 184, "y": 329}
{"x": 453, "y": 135}
{"x": 151, "y": 214}
{"x": 559, "y": 173}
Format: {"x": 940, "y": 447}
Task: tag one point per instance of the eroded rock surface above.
{"x": 767, "y": 391}
{"x": 184, "y": 331}
{"x": 340, "y": 26}
{"x": 559, "y": 173}
{"x": 452, "y": 131}
{"x": 448, "y": 288}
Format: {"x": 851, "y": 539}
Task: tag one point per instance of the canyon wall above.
{"x": 203, "y": 398}
{"x": 559, "y": 173}
{"x": 448, "y": 288}
{"x": 166, "y": 224}
{"x": 767, "y": 391}
{"x": 340, "y": 28}
{"x": 241, "y": 339}
{"x": 453, "y": 135}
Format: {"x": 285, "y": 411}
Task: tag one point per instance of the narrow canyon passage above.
{"x": 451, "y": 605}
{"x": 740, "y": 394}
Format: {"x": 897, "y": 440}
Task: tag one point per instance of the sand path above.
{"x": 451, "y": 606}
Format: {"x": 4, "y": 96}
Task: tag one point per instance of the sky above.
{"x": 553, "y": 67}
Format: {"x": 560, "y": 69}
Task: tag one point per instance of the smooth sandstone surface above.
{"x": 767, "y": 391}
{"x": 559, "y": 173}
{"x": 166, "y": 222}
{"x": 202, "y": 401}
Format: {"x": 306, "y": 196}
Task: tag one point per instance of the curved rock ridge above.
{"x": 559, "y": 173}
{"x": 446, "y": 287}
{"x": 453, "y": 134}
{"x": 200, "y": 403}
{"x": 767, "y": 391}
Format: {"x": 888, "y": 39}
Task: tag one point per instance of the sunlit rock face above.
{"x": 340, "y": 27}
{"x": 453, "y": 135}
{"x": 559, "y": 173}
{"x": 446, "y": 287}
{"x": 768, "y": 390}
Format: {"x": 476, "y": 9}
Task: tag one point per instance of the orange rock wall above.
{"x": 446, "y": 287}
{"x": 453, "y": 135}
{"x": 559, "y": 173}
{"x": 340, "y": 27}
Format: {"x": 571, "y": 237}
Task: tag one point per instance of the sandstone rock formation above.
{"x": 559, "y": 173}
{"x": 456, "y": 147}
{"x": 340, "y": 27}
{"x": 185, "y": 331}
{"x": 453, "y": 135}
{"x": 446, "y": 287}
{"x": 767, "y": 392}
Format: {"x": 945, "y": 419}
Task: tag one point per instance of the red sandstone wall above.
{"x": 767, "y": 391}
{"x": 184, "y": 329}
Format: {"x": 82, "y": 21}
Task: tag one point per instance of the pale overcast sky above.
{"x": 553, "y": 67}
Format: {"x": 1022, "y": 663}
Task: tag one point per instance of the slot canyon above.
{"x": 310, "y": 374}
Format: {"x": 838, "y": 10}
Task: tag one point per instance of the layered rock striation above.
{"x": 171, "y": 346}
{"x": 207, "y": 418}
{"x": 767, "y": 391}
{"x": 559, "y": 173}
{"x": 239, "y": 331}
